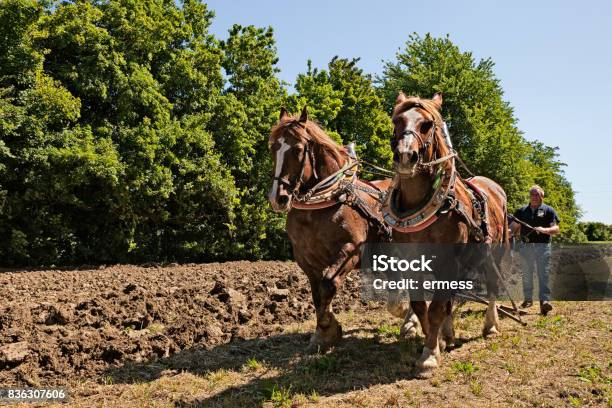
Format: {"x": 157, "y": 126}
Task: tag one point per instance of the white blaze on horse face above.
{"x": 280, "y": 158}
{"x": 412, "y": 117}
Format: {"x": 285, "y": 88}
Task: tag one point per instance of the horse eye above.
{"x": 426, "y": 126}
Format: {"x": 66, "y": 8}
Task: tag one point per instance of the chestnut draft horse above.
{"x": 429, "y": 203}
{"x": 331, "y": 214}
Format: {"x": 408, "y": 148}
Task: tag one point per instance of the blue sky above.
{"x": 554, "y": 60}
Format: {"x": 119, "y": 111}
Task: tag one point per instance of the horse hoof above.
{"x": 321, "y": 341}
{"x": 427, "y": 363}
{"x": 490, "y": 332}
{"x": 317, "y": 347}
{"x": 424, "y": 373}
{"x": 446, "y": 343}
{"x": 408, "y": 331}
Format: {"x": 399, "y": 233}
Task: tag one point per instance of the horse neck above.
{"x": 413, "y": 189}
{"x": 325, "y": 165}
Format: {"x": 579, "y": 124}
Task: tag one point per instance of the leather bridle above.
{"x": 423, "y": 145}
{"x": 294, "y": 187}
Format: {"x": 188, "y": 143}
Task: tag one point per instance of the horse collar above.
{"x": 426, "y": 215}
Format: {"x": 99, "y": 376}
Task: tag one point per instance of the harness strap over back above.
{"x": 341, "y": 188}
{"x": 478, "y": 225}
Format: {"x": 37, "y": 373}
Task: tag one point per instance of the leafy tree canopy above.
{"x": 129, "y": 133}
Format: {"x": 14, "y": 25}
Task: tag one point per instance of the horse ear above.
{"x": 304, "y": 115}
{"x": 400, "y": 98}
{"x": 437, "y": 98}
{"x": 283, "y": 113}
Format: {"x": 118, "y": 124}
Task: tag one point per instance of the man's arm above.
{"x": 554, "y": 225}
{"x": 552, "y": 230}
{"x": 515, "y": 226}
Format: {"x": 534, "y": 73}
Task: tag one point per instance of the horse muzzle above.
{"x": 407, "y": 153}
{"x": 281, "y": 202}
{"x": 408, "y": 158}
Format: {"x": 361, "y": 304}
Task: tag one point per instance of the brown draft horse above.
{"x": 425, "y": 177}
{"x": 326, "y": 241}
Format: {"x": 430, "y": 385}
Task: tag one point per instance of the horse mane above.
{"x": 430, "y": 107}
{"x": 309, "y": 131}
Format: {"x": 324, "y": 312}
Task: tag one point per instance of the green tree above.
{"x": 596, "y": 231}
{"x": 345, "y": 102}
{"x": 247, "y": 111}
{"x": 105, "y": 150}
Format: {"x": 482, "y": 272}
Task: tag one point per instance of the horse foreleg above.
{"x": 430, "y": 358}
{"x": 415, "y": 319}
{"x": 329, "y": 331}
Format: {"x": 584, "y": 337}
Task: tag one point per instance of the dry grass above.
{"x": 561, "y": 360}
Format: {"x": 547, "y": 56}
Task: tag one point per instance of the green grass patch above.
{"x": 593, "y": 375}
{"x": 252, "y": 365}
{"x": 574, "y": 401}
{"x": 509, "y": 367}
{"x": 388, "y": 330}
{"x": 476, "y": 388}
{"x": 466, "y": 368}
{"x": 313, "y": 396}
{"x": 552, "y": 323}
{"x": 280, "y": 396}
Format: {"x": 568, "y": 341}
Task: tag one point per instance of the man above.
{"x": 535, "y": 245}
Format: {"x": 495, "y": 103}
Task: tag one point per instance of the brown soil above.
{"x": 81, "y": 323}
{"x": 233, "y": 334}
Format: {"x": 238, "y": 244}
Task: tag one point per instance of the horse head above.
{"x": 417, "y": 127}
{"x": 302, "y": 155}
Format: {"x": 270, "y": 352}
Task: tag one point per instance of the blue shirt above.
{"x": 542, "y": 216}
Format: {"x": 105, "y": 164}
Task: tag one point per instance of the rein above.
{"x": 326, "y": 183}
{"x": 341, "y": 187}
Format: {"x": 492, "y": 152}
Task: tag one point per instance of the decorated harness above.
{"x": 441, "y": 199}
{"x": 342, "y": 187}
